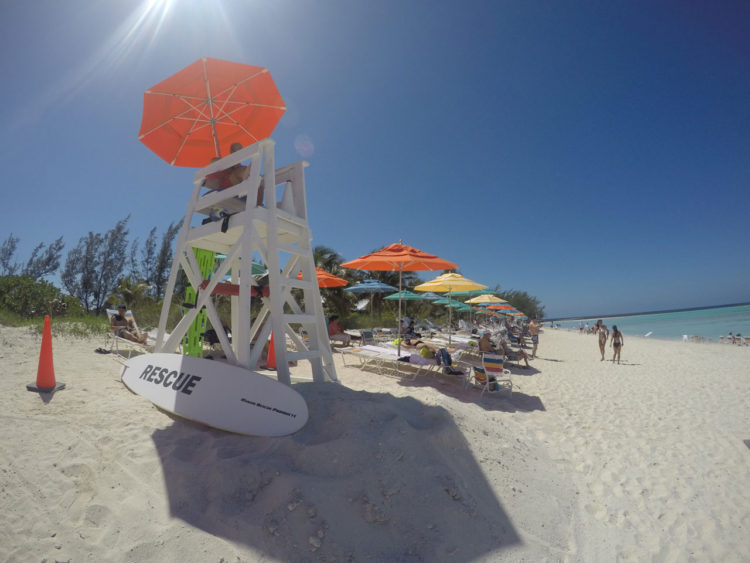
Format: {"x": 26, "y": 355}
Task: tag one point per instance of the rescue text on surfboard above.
{"x": 162, "y": 376}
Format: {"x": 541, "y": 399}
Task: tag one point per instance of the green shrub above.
{"x": 28, "y": 298}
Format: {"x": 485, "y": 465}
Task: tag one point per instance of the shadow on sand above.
{"x": 517, "y": 402}
{"x": 369, "y": 474}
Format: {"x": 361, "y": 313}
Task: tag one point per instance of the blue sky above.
{"x": 593, "y": 154}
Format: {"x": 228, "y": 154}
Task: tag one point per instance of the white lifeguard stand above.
{"x": 278, "y": 232}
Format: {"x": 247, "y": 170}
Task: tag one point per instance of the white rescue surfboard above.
{"x": 217, "y": 394}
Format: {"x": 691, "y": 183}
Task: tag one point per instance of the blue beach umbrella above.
{"x": 407, "y": 295}
{"x": 446, "y": 302}
{"x": 371, "y": 287}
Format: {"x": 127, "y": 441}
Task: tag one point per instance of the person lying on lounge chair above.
{"x": 124, "y": 327}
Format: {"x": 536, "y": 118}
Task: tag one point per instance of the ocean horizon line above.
{"x": 657, "y": 312}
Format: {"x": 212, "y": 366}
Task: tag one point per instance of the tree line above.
{"x": 99, "y": 266}
{"x": 106, "y": 266}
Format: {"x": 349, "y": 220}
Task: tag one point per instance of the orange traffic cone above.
{"x": 45, "y": 374}
{"x": 271, "y": 358}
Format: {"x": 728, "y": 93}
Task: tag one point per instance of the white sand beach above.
{"x": 588, "y": 461}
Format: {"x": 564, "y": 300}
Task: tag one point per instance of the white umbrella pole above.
{"x": 399, "y": 313}
{"x": 450, "y": 317}
{"x": 211, "y": 111}
{"x": 372, "y": 325}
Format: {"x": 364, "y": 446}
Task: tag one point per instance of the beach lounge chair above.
{"x": 129, "y": 345}
{"x": 370, "y": 355}
{"x": 367, "y": 337}
{"x": 491, "y": 376}
{"x": 384, "y": 358}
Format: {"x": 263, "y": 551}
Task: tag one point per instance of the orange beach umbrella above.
{"x": 402, "y": 258}
{"x": 196, "y": 114}
{"x": 326, "y": 279}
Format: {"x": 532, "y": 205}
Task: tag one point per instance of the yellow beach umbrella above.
{"x": 486, "y": 298}
{"x": 449, "y": 283}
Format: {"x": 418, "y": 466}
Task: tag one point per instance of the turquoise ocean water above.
{"x": 705, "y": 323}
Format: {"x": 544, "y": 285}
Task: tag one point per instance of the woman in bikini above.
{"x": 618, "y": 341}
{"x": 601, "y": 330}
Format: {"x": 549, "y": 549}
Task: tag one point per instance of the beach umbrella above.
{"x": 197, "y": 113}
{"x": 449, "y": 283}
{"x": 326, "y": 279}
{"x": 402, "y": 258}
{"x": 486, "y": 298}
{"x": 447, "y": 302}
{"x": 464, "y": 308}
{"x": 406, "y": 295}
{"x": 371, "y": 287}
{"x": 256, "y": 268}
{"x": 473, "y": 293}
{"x": 504, "y": 307}
{"x": 432, "y": 296}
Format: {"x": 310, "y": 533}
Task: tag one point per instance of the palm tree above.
{"x": 328, "y": 259}
{"x": 130, "y": 293}
{"x": 337, "y": 301}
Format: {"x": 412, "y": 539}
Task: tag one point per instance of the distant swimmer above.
{"x": 618, "y": 341}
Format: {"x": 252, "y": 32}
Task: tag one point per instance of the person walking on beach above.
{"x": 618, "y": 341}
{"x": 601, "y": 330}
{"x": 534, "y": 332}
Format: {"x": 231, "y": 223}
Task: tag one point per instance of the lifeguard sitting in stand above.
{"x": 226, "y": 178}
{"x": 231, "y": 176}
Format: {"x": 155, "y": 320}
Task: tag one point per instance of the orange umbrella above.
{"x": 326, "y": 279}
{"x": 196, "y": 114}
{"x": 500, "y": 307}
{"x": 399, "y": 257}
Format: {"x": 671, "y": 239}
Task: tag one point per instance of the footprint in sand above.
{"x": 597, "y": 511}
{"x": 98, "y": 521}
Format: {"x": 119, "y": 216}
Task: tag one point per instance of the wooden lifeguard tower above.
{"x": 279, "y": 233}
